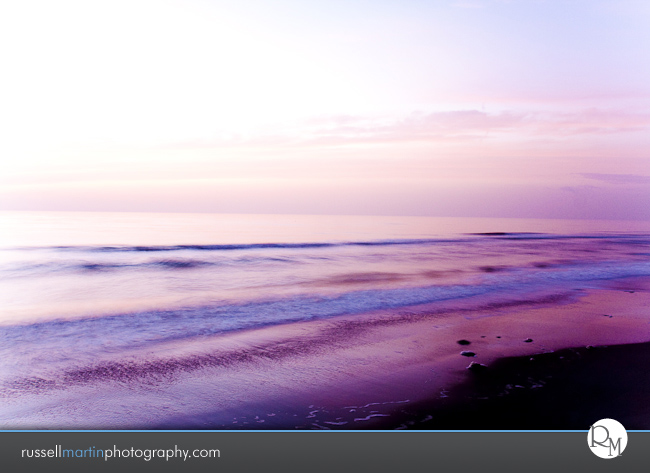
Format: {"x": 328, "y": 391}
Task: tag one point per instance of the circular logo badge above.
{"x": 607, "y": 438}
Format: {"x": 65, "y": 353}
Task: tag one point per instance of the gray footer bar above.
{"x": 375, "y": 452}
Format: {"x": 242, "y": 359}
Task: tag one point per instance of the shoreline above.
{"x": 384, "y": 370}
{"x": 411, "y": 374}
{"x": 568, "y": 389}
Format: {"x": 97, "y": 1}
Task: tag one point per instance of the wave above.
{"x": 468, "y": 237}
{"x": 145, "y": 327}
{"x": 166, "y": 368}
{"x": 243, "y": 246}
{"x": 183, "y": 257}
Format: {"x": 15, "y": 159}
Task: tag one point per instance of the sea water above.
{"x": 77, "y": 288}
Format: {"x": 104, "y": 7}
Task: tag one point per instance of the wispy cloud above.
{"x": 618, "y": 178}
{"x": 443, "y": 126}
{"x": 475, "y": 124}
{"x": 347, "y": 129}
{"x": 593, "y": 122}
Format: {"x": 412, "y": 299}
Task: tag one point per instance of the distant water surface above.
{"x": 78, "y": 287}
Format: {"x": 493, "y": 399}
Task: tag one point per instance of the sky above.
{"x": 462, "y": 108}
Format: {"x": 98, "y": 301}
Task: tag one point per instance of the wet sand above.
{"x": 405, "y": 370}
{"x": 384, "y": 370}
{"x": 569, "y": 390}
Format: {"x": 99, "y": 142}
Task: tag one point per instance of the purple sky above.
{"x": 444, "y": 108}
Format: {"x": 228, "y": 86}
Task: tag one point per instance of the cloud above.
{"x": 462, "y": 125}
{"x": 417, "y": 126}
{"x": 617, "y": 178}
{"x": 579, "y": 189}
{"x": 593, "y": 121}
{"x": 442, "y": 126}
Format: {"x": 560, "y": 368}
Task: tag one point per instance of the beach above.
{"x": 552, "y": 363}
{"x": 387, "y": 326}
{"x": 586, "y": 361}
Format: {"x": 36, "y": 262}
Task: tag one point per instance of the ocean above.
{"x": 81, "y": 289}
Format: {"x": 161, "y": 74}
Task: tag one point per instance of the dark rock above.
{"x": 476, "y": 366}
{"x": 528, "y": 340}
{"x": 463, "y": 342}
{"x": 468, "y": 353}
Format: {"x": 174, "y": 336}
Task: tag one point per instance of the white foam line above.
{"x": 358, "y": 419}
{"x": 321, "y": 426}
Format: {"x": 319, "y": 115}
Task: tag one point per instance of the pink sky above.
{"x": 482, "y": 108}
